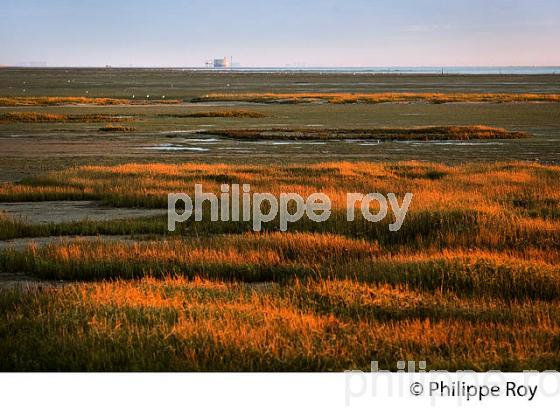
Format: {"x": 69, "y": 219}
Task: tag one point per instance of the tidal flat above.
{"x": 91, "y": 279}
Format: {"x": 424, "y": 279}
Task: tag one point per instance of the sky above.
{"x": 276, "y": 33}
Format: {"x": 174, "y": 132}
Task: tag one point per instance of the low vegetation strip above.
{"x": 12, "y": 228}
{"x": 278, "y": 257}
{"x": 34, "y": 117}
{"x": 458, "y": 133}
{"x": 43, "y": 117}
{"x": 377, "y": 98}
{"x": 500, "y": 206}
{"x": 471, "y": 281}
{"x": 46, "y": 101}
{"x": 176, "y": 324}
{"x": 218, "y": 114}
{"x": 116, "y": 128}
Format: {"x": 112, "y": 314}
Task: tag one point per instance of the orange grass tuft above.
{"x": 377, "y": 98}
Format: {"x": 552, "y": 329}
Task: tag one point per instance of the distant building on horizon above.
{"x": 220, "y": 63}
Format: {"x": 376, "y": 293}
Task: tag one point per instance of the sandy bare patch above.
{"x": 21, "y": 244}
{"x": 24, "y": 282}
{"x": 72, "y": 211}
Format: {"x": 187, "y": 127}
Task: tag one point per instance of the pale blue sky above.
{"x": 262, "y": 33}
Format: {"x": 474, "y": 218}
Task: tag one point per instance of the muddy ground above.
{"x": 161, "y": 136}
{"x": 71, "y": 211}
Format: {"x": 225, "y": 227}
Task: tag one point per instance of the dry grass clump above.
{"x": 501, "y": 207}
{"x": 45, "y": 101}
{"x": 218, "y": 114}
{"x": 31, "y": 101}
{"x": 40, "y": 117}
{"x": 116, "y": 128}
{"x": 470, "y": 132}
{"x": 471, "y": 281}
{"x": 377, "y": 98}
{"x": 179, "y": 325}
{"x": 527, "y": 190}
{"x": 281, "y": 258}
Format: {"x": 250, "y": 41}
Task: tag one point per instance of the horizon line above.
{"x": 29, "y": 65}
